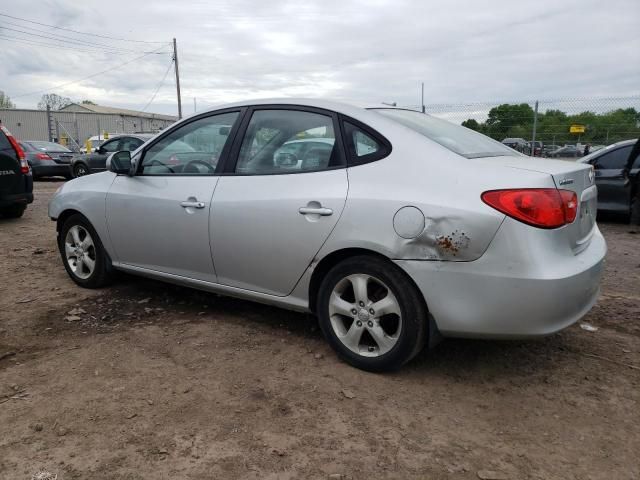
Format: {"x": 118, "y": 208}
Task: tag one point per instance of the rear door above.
{"x": 272, "y": 212}
{"x": 612, "y": 195}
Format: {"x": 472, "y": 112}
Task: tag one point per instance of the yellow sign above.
{"x": 576, "y": 129}
{"x": 106, "y": 135}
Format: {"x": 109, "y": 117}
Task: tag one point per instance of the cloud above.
{"x": 379, "y": 50}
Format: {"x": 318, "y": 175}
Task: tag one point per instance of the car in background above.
{"x": 548, "y": 148}
{"x": 519, "y": 144}
{"x": 292, "y": 154}
{"x": 47, "y": 159}
{"x": 537, "y": 148}
{"x": 96, "y": 141}
{"x": 96, "y": 161}
{"x": 608, "y": 163}
{"x": 16, "y": 181}
{"x": 568, "y": 151}
{"x": 396, "y": 228}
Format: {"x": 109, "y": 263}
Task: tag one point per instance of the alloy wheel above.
{"x": 80, "y": 251}
{"x": 365, "y": 315}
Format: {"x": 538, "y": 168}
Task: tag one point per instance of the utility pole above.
{"x": 422, "y": 98}
{"x": 535, "y": 126}
{"x": 175, "y": 65}
{"x": 195, "y": 108}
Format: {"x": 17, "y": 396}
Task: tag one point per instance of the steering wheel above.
{"x": 208, "y": 166}
{"x": 157, "y": 162}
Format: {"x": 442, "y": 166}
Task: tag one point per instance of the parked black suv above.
{"x": 96, "y": 161}
{"x": 16, "y": 182}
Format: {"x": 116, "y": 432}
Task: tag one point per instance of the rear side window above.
{"x": 460, "y": 140}
{"x": 364, "y": 145}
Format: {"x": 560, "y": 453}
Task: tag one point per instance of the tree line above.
{"x": 55, "y": 101}
{"x": 516, "y": 121}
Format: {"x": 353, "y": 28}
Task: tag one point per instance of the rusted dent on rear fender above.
{"x": 441, "y": 239}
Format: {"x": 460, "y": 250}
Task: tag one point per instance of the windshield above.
{"x": 49, "y": 147}
{"x": 456, "y": 138}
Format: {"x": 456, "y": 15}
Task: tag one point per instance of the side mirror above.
{"x": 224, "y": 130}
{"x": 120, "y": 163}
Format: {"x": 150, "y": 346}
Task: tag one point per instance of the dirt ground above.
{"x": 160, "y": 382}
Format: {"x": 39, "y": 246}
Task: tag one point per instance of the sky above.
{"x": 359, "y": 50}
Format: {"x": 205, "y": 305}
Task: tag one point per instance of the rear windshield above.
{"x": 49, "y": 147}
{"x": 456, "y": 138}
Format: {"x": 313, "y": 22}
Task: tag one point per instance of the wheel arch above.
{"x": 332, "y": 259}
{"x": 64, "y": 215}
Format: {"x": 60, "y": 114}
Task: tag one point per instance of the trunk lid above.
{"x": 566, "y": 175}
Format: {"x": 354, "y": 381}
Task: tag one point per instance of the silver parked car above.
{"x": 392, "y": 226}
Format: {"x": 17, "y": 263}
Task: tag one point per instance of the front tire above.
{"x": 83, "y": 254}
{"x": 372, "y": 314}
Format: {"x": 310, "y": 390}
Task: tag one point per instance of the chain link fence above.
{"x": 570, "y": 122}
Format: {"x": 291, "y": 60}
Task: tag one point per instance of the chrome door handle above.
{"x": 190, "y": 204}
{"x": 315, "y": 211}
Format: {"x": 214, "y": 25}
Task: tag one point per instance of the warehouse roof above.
{"x": 87, "y": 107}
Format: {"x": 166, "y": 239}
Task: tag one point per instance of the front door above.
{"x": 159, "y": 218}
{"x": 612, "y": 195}
{"x": 277, "y": 204}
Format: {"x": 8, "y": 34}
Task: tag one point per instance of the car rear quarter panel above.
{"x": 86, "y": 195}
{"x": 444, "y": 186}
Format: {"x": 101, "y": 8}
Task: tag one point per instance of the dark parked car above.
{"x": 568, "y": 151}
{"x": 16, "y": 182}
{"x": 47, "y": 159}
{"x": 547, "y": 149}
{"x": 537, "y": 148}
{"x": 96, "y": 161}
{"x": 519, "y": 144}
{"x": 608, "y": 163}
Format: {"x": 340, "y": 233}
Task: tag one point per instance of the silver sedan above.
{"x": 395, "y": 228}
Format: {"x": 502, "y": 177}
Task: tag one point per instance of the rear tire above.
{"x": 83, "y": 255}
{"x": 13, "y": 211}
{"x": 80, "y": 170}
{"x": 372, "y": 314}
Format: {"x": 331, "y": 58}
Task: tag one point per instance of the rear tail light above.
{"x": 538, "y": 207}
{"x": 24, "y": 166}
{"x": 43, "y": 156}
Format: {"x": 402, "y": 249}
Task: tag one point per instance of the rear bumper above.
{"x": 15, "y": 199}
{"x": 497, "y": 297}
{"x": 52, "y": 170}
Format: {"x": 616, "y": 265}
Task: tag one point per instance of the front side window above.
{"x": 615, "y": 160}
{"x": 287, "y": 141}
{"x": 130, "y": 144}
{"x": 465, "y": 142}
{"x": 112, "y": 146}
{"x": 192, "y": 149}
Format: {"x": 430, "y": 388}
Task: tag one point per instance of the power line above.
{"x": 88, "y": 77}
{"x": 56, "y": 46}
{"x": 158, "y": 87}
{"x": 70, "y": 41}
{"x": 78, "y": 32}
{"x": 60, "y": 38}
